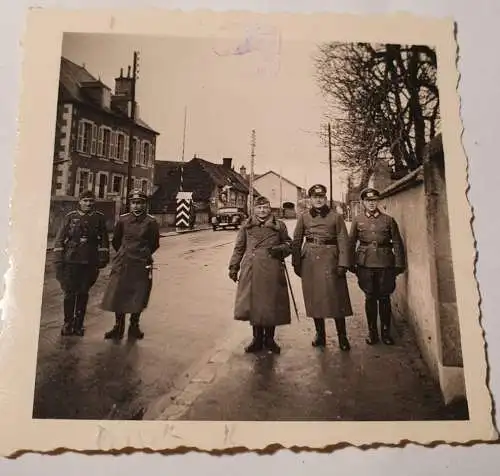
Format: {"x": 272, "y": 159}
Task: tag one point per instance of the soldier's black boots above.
{"x": 74, "y": 314}
{"x": 342, "y": 334}
{"x": 257, "y": 343}
{"x": 385, "y": 320}
{"x": 371, "y": 318}
{"x": 81, "y": 310}
{"x": 320, "y": 340}
{"x": 269, "y": 342}
{"x": 134, "y": 332}
{"x": 118, "y": 329}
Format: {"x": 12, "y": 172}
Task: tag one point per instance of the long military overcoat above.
{"x": 262, "y": 295}
{"x": 135, "y": 239}
{"x": 326, "y": 294}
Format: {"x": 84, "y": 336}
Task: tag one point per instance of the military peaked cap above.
{"x": 318, "y": 190}
{"x": 261, "y": 201}
{"x": 86, "y": 194}
{"x": 137, "y": 195}
{"x": 370, "y": 194}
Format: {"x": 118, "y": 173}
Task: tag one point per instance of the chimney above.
{"x": 243, "y": 171}
{"x": 226, "y": 162}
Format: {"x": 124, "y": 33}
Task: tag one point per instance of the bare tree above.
{"x": 383, "y": 103}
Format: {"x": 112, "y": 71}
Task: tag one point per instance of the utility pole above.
{"x": 252, "y": 161}
{"x": 131, "y": 149}
{"x": 330, "y": 162}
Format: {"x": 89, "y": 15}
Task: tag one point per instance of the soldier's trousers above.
{"x": 76, "y": 281}
{"x": 378, "y": 284}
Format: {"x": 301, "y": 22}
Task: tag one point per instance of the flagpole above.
{"x": 181, "y": 185}
{"x": 252, "y": 161}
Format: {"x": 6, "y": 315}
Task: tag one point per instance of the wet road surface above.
{"x": 189, "y": 312}
{"x": 191, "y": 364}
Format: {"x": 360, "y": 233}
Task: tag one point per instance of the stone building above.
{"x": 91, "y": 149}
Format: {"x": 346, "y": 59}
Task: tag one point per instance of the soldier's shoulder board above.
{"x": 124, "y": 215}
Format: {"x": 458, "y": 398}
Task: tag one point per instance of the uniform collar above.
{"x": 374, "y": 214}
{"x": 82, "y": 213}
{"x": 322, "y": 212}
{"x": 270, "y": 222}
{"x": 139, "y": 217}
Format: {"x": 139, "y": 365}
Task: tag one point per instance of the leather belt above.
{"x": 321, "y": 241}
{"x": 375, "y": 244}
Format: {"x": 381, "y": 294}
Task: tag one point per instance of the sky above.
{"x": 228, "y": 87}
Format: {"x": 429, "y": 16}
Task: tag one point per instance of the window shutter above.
{"x": 100, "y": 145}
{"x": 112, "y": 142}
{"x": 137, "y": 151}
{"x": 143, "y": 147}
{"x": 126, "y": 148}
{"x": 152, "y": 156}
{"x": 93, "y": 146}
{"x": 81, "y": 131}
{"x": 77, "y": 183}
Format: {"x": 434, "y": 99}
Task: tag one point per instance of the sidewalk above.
{"x": 369, "y": 383}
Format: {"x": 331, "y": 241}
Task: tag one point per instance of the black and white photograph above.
{"x": 253, "y": 228}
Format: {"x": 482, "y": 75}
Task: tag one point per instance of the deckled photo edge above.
{"x": 84, "y": 433}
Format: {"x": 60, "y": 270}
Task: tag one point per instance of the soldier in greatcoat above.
{"x": 378, "y": 257}
{"x": 136, "y": 238}
{"x": 262, "y": 297}
{"x": 81, "y": 249}
{"x": 321, "y": 258}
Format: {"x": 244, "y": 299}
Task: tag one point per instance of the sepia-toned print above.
{"x": 250, "y": 231}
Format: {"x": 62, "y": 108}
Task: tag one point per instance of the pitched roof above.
{"x": 71, "y": 78}
{"x": 277, "y": 175}
{"x": 222, "y": 175}
{"x": 164, "y": 169}
{"x": 200, "y": 176}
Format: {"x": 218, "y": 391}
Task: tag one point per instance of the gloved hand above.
{"x": 59, "y": 267}
{"x": 103, "y": 257}
{"x": 233, "y": 275}
{"x": 341, "y": 271}
{"x": 276, "y": 252}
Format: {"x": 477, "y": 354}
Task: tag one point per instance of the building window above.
{"x": 146, "y": 153}
{"x": 117, "y": 184}
{"x": 120, "y": 145}
{"x": 83, "y": 181}
{"x": 104, "y": 143}
{"x": 144, "y": 186}
{"x": 101, "y": 184}
{"x": 87, "y": 132}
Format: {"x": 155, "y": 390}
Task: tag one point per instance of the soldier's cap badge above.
{"x": 317, "y": 190}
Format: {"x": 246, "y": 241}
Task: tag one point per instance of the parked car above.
{"x": 228, "y": 217}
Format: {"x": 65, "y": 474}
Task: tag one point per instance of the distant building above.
{"x": 213, "y": 185}
{"x": 92, "y": 137}
{"x": 282, "y": 193}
